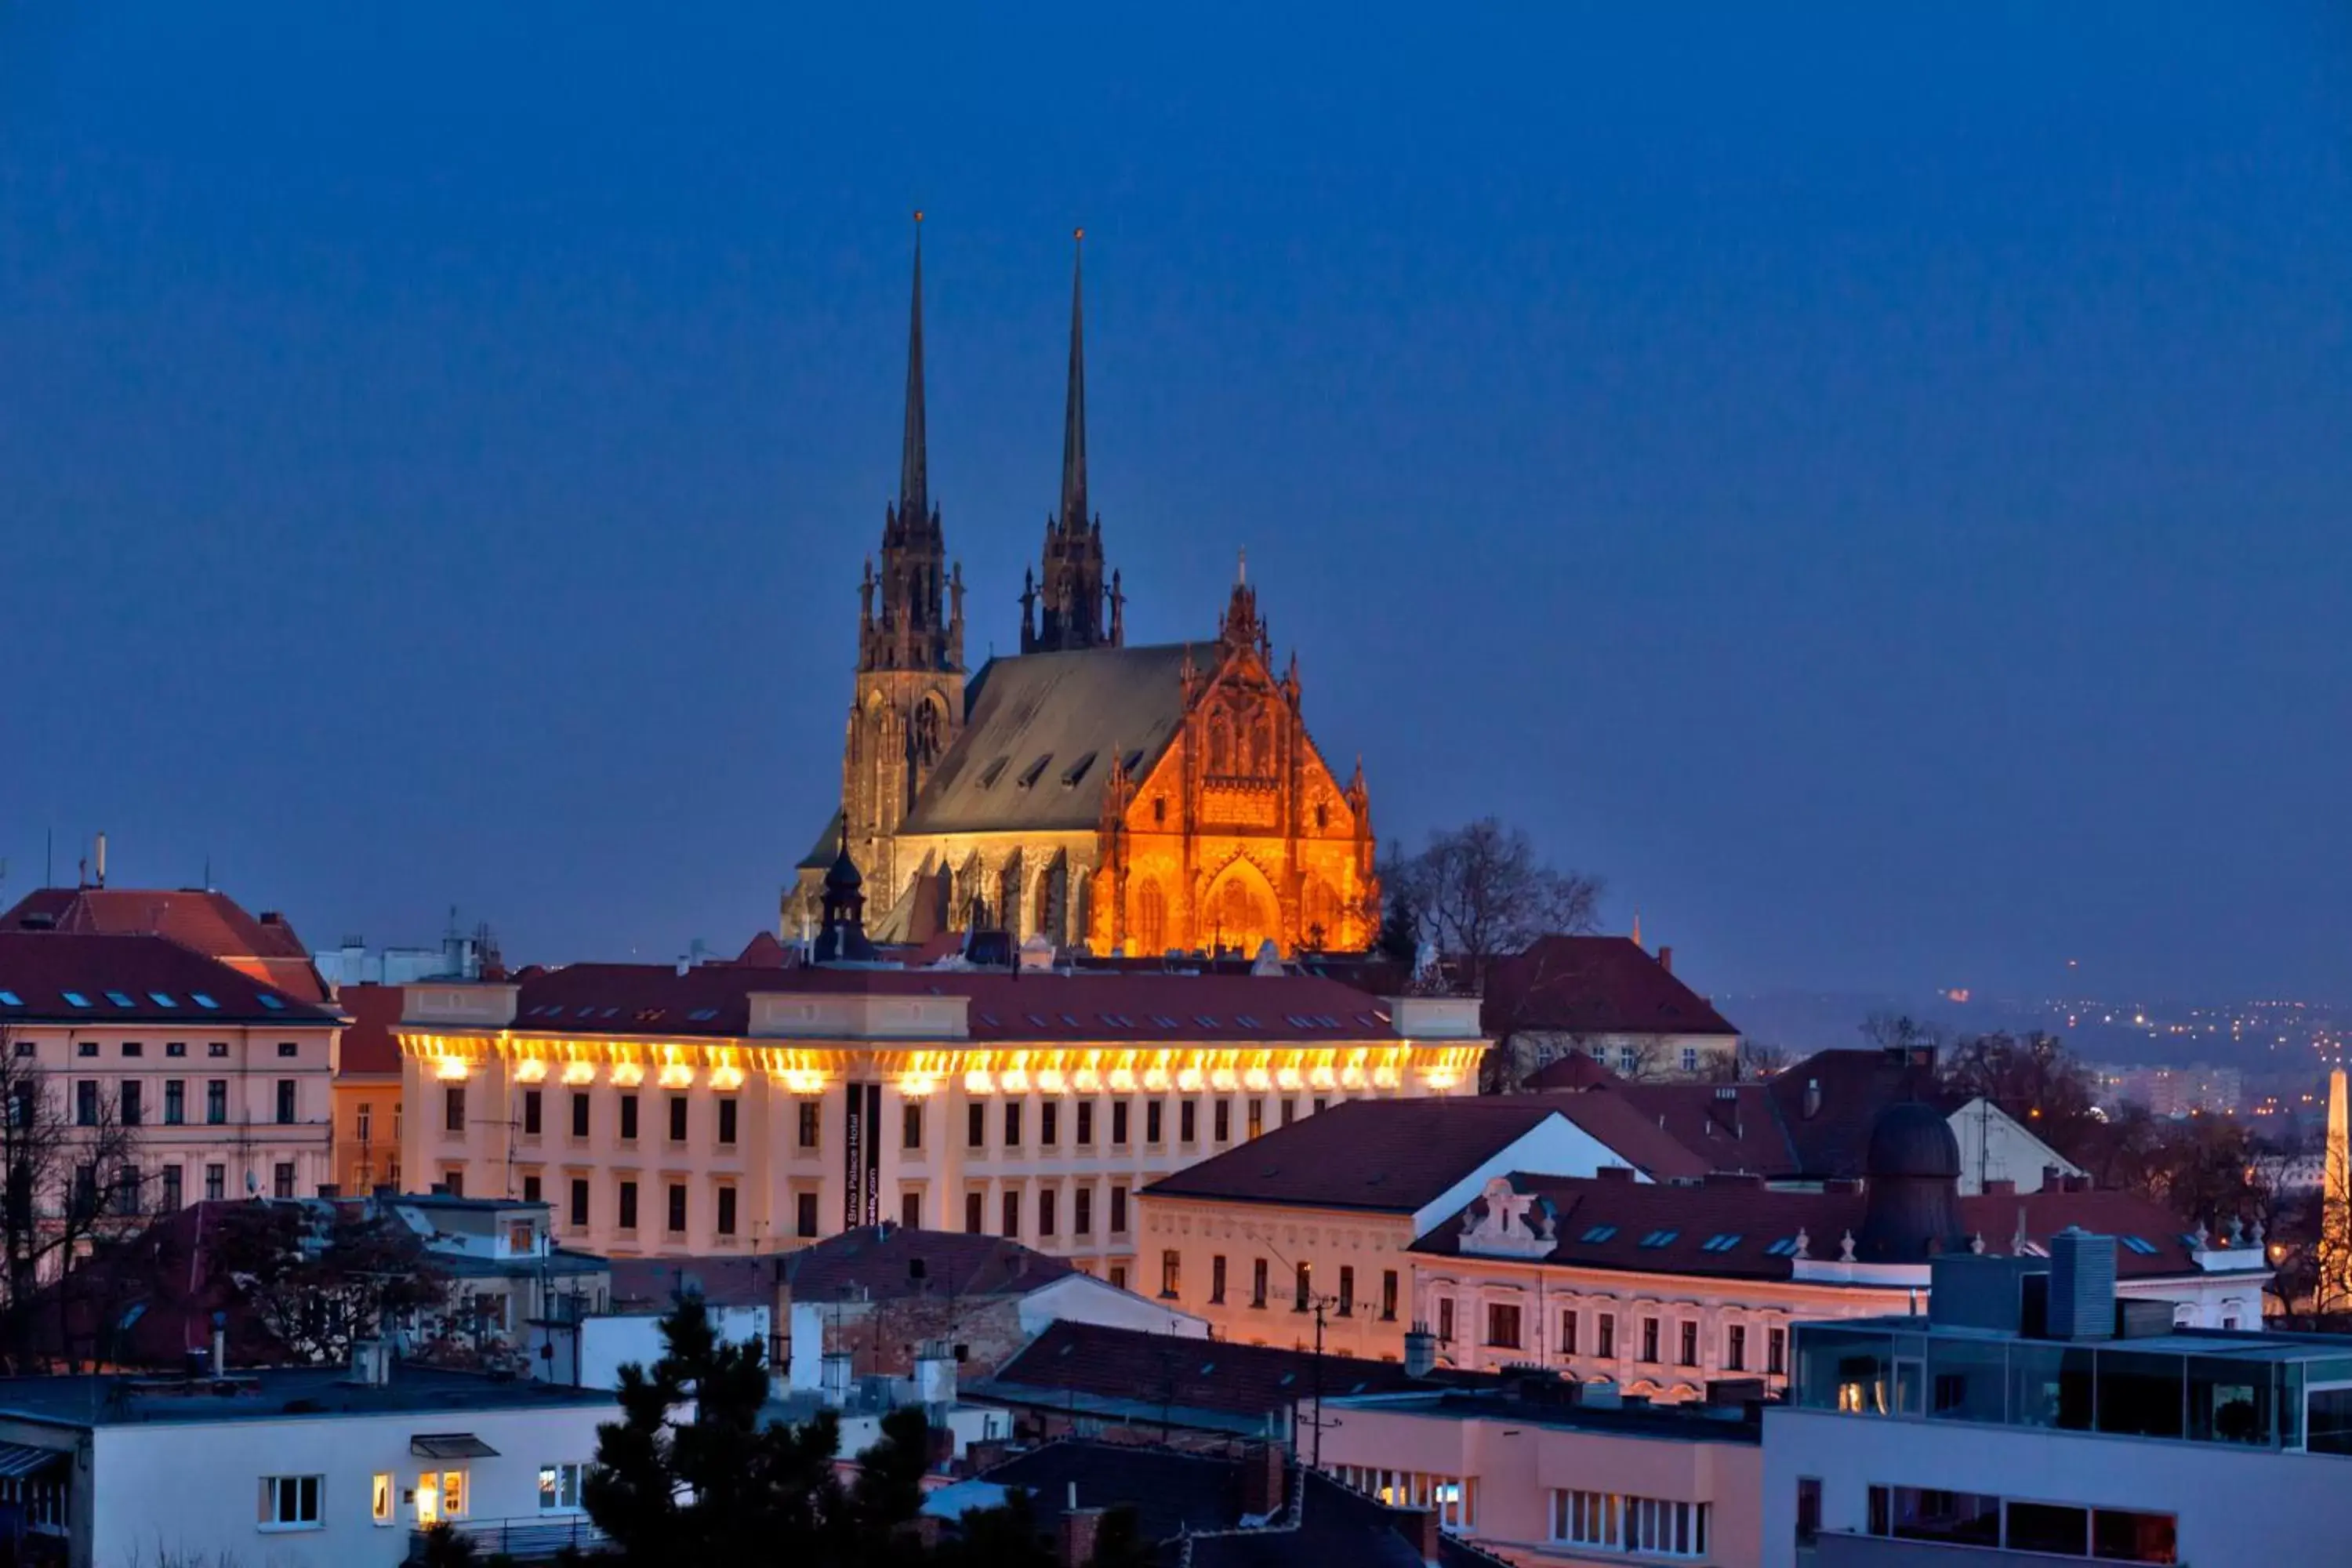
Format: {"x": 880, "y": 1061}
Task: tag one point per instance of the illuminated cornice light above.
{"x": 1288, "y": 1077}
{"x": 578, "y": 1073}
{"x": 451, "y": 1068}
{"x": 803, "y": 1080}
{"x": 1122, "y": 1080}
{"x": 917, "y": 1086}
{"x": 1223, "y": 1079}
{"x": 678, "y": 1075}
{"x": 1258, "y": 1078}
{"x": 978, "y": 1080}
{"x": 1156, "y": 1079}
{"x": 1089, "y": 1081}
{"x": 1189, "y": 1080}
{"x": 1053, "y": 1080}
{"x": 1014, "y": 1079}
{"x": 628, "y": 1075}
{"x": 530, "y": 1070}
{"x": 725, "y": 1078}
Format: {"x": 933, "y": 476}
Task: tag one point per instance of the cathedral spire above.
{"x": 1074, "y": 410}
{"x": 908, "y": 626}
{"x": 1069, "y": 592}
{"x": 914, "y": 461}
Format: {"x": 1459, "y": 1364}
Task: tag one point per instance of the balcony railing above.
{"x": 531, "y": 1539}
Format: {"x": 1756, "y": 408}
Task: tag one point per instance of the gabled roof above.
{"x": 1032, "y": 719}
{"x": 714, "y": 999}
{"x": 202, "y": 919}
{"x": 1594, "y": 985}
{"x": 1728, "y": 1228}
{"x": 879, "y": 1263}
{"x": 133, "y": 980}
{"x": 1728, "y": 1126}
{"x": 1393, "y": 1157}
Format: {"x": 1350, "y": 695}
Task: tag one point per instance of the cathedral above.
{"x": 1129, "y": 801}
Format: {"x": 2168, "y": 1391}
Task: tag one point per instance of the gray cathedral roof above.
{"x": 1044, "y": 732}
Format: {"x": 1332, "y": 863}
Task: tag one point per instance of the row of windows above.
{"x": 678, "y": 1109}
{"x": 674, "y": 1206}
{"x": 1505, "y": 1330}
{"x": 138, "y": 1048}
{"x": 1651, "y": 1527}
{"x": 132, "y": 1105}
{"x": 164, "y": 1190}
{"x": 1455, "y": 1498}
{"x": 1974, "y": 1519}
{"x": 1015, "y": 1121}
{"x": 1302, "y": 1286}
{"x": 1048, "y": 1211}
{"x": 299, "y": 1502}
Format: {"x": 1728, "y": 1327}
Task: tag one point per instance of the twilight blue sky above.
{"x": 1877, "y": 489}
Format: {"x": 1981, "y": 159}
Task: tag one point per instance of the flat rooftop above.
{"x": 1678, "y": 1423}
{"x": 278, "y": 1393}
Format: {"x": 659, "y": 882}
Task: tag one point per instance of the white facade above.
{"x": 197, "y": 1489}
{"x": 2232, "y": 1505}
{"x": 1997, "y": 1147}
{"x": 610, "y": 1340}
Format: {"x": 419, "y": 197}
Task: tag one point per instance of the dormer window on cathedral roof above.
{"x": 1076, "y": 771}
{"x": 1035, "y": 770}
{"x": 993, "y": 772}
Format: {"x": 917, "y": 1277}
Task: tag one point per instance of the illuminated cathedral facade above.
{"x": 1124, "y": 800}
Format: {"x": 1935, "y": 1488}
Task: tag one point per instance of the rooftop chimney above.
{"x": 1419, "y": 1350}
{"x": 101, "y": 860}
{"x": 1080, "y": 1526}
{"x": 1667, "y": 958}
{"x": 1263, "y": 1474}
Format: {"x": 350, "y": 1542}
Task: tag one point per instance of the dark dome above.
{"x": 842, "y": 878}
{"x": 1912, "y": 1139}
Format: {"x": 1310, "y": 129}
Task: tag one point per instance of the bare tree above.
{"x": 71, "y": 1176}
{"x": 1480, "y": 892}
{"x": 319, "y": 1280}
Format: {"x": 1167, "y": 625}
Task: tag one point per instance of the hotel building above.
{"x": 747, "y": 1106}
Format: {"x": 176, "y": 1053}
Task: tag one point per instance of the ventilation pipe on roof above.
{"x": 101, "y": 860}
{"x": 1813, "y": 1098}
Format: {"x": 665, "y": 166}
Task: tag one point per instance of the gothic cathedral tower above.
{"x": 909, "y": 704}
{"x": 1063, "y": 612}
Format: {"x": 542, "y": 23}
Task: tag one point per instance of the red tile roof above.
{"x": 1575, "y": 1070}
{"x": 715, "y": 999}
{"x": 1393, "y": 1156}
{"x": 133, "y": 980}
{"x": 879, "y": 1263}
{"x": 1730, "y": 1127}
{"x": 1621, "y": 1125}
{"x": 1600, "y": 1223}
{"x": 369, "y": 1047}
{"x": 1594, "y": 985}
{"x": 209, "y": 922}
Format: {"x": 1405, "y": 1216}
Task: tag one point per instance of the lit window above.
{"x": 1723, "y": 1243}
{"x": 1659, "y": 1237}
{"x": 201, "y": 1000}
{"x": 1598, "y": 1233}
{"x": 11, "y": 999}
{"x": 380, "y": 1498}
{"x": 120, "y": 998}
{"x": 76, "y": 998}
{"x": 289, "y": 1502}
{"x": 161, "y": 998}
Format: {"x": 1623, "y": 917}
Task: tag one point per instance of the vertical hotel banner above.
{"x": 861, "y": 1154}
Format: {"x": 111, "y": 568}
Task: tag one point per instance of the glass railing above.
{"x": 2124, "y": 1388}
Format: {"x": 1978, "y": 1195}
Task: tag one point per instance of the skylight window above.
{"x": 1245, "y": 1021}
{"x": 1035, "y": 1021}
{"x": 1205, "y": 1020}
{"x": 1163, "y": 1020}
{"x": 1722, "y": 1243}
{"x": 11, "y": 999}
{"x": 993, "y": 772}
{"x": 1036, "y": 771}
{"x": 1069, "y": 1022}
{"x": 2139, "y": 1244}
{"x": 1659, "y": 1237}
{"x": 201, "y": 1000}
{"x": 1076, "y": 771}
{"x": 120, "y": 998}
{"x": 702, "y": 1015}
{"x": 1784, "y": 1247}
{"x": 76, "y": 998}
{"x": 161, "y": 998}
{"x": 272, "y": 1003}
{"x": 991, "y": 1020}
{"x": 1598, "y": 1233}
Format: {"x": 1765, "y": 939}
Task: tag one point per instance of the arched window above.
{"x": 1221, "y": 743}
{"x": 1008, "y": 898}
{"x": 1261, "y": 749}
{"x": 929, "y": 731}
{"x": 1318, "y": 914}
{"x": 1148, "y": 926}
{"x": 1241, "y": 917}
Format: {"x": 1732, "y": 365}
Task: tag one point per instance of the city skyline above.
{"x": 466, "y": 508}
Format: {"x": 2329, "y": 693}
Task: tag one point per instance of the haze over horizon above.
{"x": 1872, "y": 489}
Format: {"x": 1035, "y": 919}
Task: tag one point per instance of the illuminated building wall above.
{"x": 855, "y": 1107}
